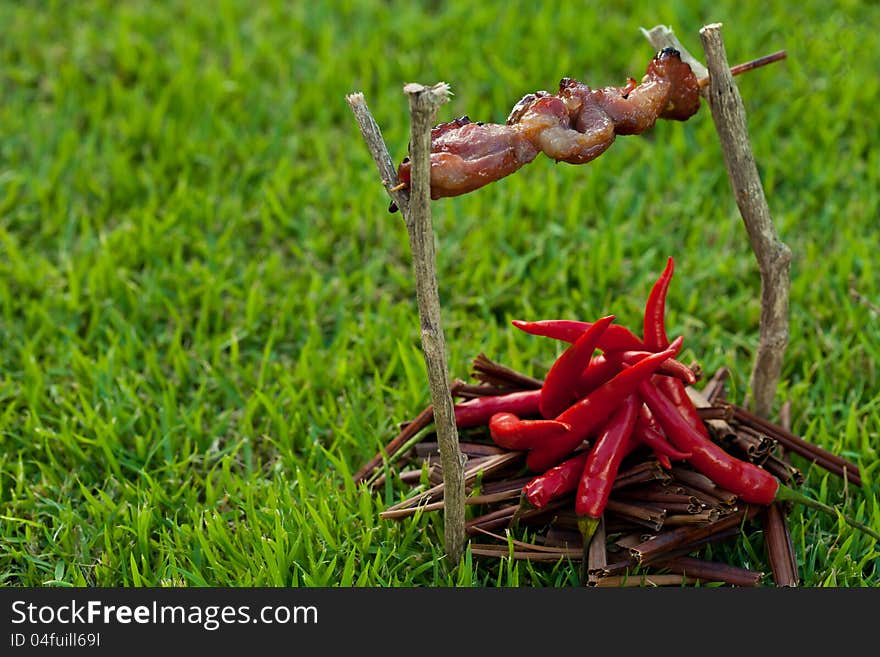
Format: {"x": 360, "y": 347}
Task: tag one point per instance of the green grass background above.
{"x": 207, "y": 316}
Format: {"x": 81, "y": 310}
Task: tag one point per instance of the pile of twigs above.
{"x": 657, "y": 522}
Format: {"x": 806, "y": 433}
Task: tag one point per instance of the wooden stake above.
{"x": 416, "y": 209}
{"x": 773, "y": 256}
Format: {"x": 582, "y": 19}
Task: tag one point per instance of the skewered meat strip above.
{"x": 576, "y": 126}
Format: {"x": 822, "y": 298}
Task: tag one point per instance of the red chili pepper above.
{"x": 510, "y": 432}
{"x": 560, "y": 385}
{"x": 592, "y": 411}
{"x": 600, "y": 370}
{"x": 654, "y": 332}
{"x": 478, "y": 411}
{"x": 654, "y": 323}
{"x": 675, "y": 391}
{"x": 749, "y": 482}
{"x": 678, "y": 417}
{"x": 605, "y": 366}
{"x": 556, "y": 482}
{"x": 604, "y": 459}
{"x": 671, "y": 367}
{"x": 616, "y": 337}
{"x": 649, "y": 433}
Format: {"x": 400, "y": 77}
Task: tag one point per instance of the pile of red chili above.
{"x": 633, "y": 393}
{"x": 608, "y": 394}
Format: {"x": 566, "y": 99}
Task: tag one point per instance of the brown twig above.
{"x": 671, "y": 502}
{"x": 719, "y": 428}
{"x": 376, "y": 145}
{"x": 645, "y": 580}
{"x": 780, "y": 549}
{"x": 755, "y": 445}
{"x": 472, "y": 390}
{"x": 660, "y": 547}
{"x": 702, "y": 483}
{"x": 713, "y": 571}
{"x": 752, "y": 64}
{"x": 493, "y": 373}
{"x": 597, "y": 554}
{"x": 699, "y": 518}
{"x": 783, "y": 470}
{"x": 492, "y": 520}
{"x": 409, "y": 431}
{"x": 432, "y": 448}
{"x": 773, "y": 256}
{"x": 821, "y": 457}
{"x": 482, "y": 467}
{"x": 416, "y": 210}
{"x": 640, "y": 474}
{"x": 714, "y": 413}
{"x": 501, "y": 551}
{"x": 640, "y": 513}
{"x": 713, "y": 391}
{"x": 423, "y": 104}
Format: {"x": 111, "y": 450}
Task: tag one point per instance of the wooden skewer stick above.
{"x": 750, "y": 65}
{"x": 416, "y": 209}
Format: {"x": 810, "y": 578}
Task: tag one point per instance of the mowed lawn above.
{"x": 207, "y": 315}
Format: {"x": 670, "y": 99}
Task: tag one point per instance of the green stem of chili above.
{"x": 786, "y": 494}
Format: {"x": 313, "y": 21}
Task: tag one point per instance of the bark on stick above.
{"x": 415, "y": 205}
{"x": 773, "y": 256}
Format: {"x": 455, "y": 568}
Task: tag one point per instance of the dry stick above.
{"x": 702, "y": 483}
{"x": 483, "y": 467}
{"x": 713, "y": 391}
{"x": 656, "y": 548}
{"x": 821, "y": 457}
{"x": 416, "y": 210}
{"x": 618, "y": 581}
{"x": 493, "y": 520}
{"x": 421, "y": 421}
{"x": 777, "y": 534}
{"x": 597, "y": 554}
{"x": 713, "y": 571}
{"x": 681, "y": 519}
{"x": 423, "y": 105}
{"x": 773, "y": 256}
{"x": 376, "y": 145}
{"x": 491, "y": 372}
{"x": 780, "y": 550}
{"x": 640, "y": 474}
{"x": 648, "y": 515}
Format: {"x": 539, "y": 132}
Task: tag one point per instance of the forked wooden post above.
{"x": 415, "y": 206}
{"x": 773, "y": 256}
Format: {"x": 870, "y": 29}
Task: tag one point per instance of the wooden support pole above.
{"x": 773, "y": 256}
{"x": 415, "y": 206}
